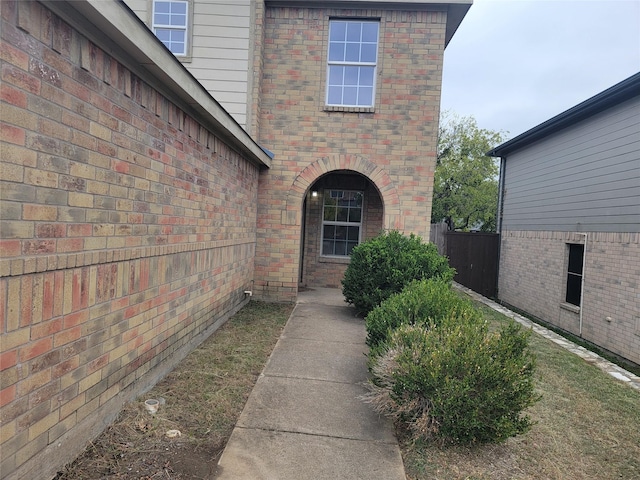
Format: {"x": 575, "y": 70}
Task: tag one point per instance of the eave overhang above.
{"x": 456, "y": 9}
{"x": 611, "y": 97}
{"x": 112, "y": 25}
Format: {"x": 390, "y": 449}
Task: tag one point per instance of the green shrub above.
{"x": 456, "y": 382}
{"x": 383, "y": 265}
{"x": 421, "y": 302}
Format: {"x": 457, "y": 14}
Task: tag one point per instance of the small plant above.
{"x": 421, "y": 302}
{"x": 383, "y": 266}
{"x": 455, "y": 381}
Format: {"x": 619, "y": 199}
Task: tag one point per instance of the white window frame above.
{"x": 340, "y": 223}
{"x": 344, "y": 63}
{"x": 186, "y": 28}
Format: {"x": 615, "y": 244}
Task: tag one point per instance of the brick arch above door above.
{"x": 374, "y": 173}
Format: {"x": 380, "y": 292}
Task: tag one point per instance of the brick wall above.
{"x": 127, "y": 236}
{"x": 398, "y": 139}
{"x": 533, "y": 277}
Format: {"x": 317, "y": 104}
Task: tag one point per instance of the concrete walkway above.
{"x": 303, "y": 419}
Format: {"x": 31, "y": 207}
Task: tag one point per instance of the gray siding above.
{"x": 584, "y": 178}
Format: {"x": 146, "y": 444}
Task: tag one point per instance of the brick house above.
{"x": 346, "y": 94}
{"x": 136, "y": 210}
{"x": 569, "y": 220}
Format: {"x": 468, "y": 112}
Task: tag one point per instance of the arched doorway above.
{"x": 341, "y": 209}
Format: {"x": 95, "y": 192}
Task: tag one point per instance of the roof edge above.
{"x": 604, "y": 100}
{"x": 456, "y": 9}
{"x": 116, "y": 28}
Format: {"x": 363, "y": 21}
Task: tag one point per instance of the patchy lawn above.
{"x": 203, "y": 398}
{"x": 587, "y": 428}
{"x": 587, "y": 422}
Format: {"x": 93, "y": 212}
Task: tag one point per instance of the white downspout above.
{"x": 584, "y": 266}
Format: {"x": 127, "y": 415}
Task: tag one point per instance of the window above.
{"x": 351, "y": 72}
{"x": 170, "y": 22}
{"x": 342, "y": 222}
{"x": 574, "y": 274}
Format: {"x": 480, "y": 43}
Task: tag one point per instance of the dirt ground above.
{"x": 201, "y": 398}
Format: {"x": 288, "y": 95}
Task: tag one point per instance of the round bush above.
{"x": 383, "y": 265}
{"x": 456, "y": 382}
{"x": 421, "y": 302}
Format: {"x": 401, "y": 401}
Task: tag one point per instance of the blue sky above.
{"x": 513, "y": 64}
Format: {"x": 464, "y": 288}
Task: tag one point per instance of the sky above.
{"x": 513, "y": 64}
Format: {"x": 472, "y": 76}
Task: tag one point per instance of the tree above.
{"x": 465, "y": 190}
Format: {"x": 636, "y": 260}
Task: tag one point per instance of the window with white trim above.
{"x": 341, "y": 222}
{"x": 352, "y": 63}
{"x": 171, "y": 23}
{"x": 574, "y": 274}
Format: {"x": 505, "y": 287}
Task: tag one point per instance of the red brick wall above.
{"x": 127, "y": 235}
{"x": 394, "y": 147}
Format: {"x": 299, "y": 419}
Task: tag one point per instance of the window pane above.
{"x": 574, "y": 287}
{"x": 350, "y": 96}
{"x": 353, "y": 52}
{"x": 351, "y": 75}
{"x": 366, "y": 76}
{"x": 353, "y": 233}
{"x": 163, "y": 35}
{"x": 342, "y": 214}
{"x": 336, "y": 52}
{"x": 340, "y": 248}
{"x": 355, "y": 215}
{"x": 179, "y": 7}
{"x": 350, "y": 246}
{"x": 330, "y": 214}
{"x": 341, "y": 232}
{"x": 370, "y": 32}
{"x": 162, "y": 7}
{"x": 329, "y": 232}
{"x": 337, "y": 31}
{"x": 336, "y": 75}
{"x": 161, "y": 19}
{"x": 179, "y": 20}
{"x": 369, "y": 52}
{"x": 354, "y": 30}
{"x": 365, "y": 96}
{"x": 327, "y": 247}
{"x": 335, "y": 96}
{"x": 576, "y": 253}
{"x": 177, "y": 36}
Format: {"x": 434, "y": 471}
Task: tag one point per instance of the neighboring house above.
{"x": 136, "y": 211}
{"x": 569, "y": 220}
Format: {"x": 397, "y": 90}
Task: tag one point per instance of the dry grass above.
{"x": 203, "y": 398}
{"x": 587, "y": 428}
{"x": 587, "y": 422}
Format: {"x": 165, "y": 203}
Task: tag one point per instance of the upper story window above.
{"x": 170, "y": 24}
{"x": 352, "y": 62}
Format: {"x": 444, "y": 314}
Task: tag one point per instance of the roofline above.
{"x": 610, "y": 97}
{"x": 116, "y": 28}
{"x": 456, "y": 9}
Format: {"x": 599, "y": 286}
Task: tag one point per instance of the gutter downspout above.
{"x": 584, "y": 266}
{"x": 503, "y": 166}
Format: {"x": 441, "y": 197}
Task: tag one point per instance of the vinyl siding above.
{"x": 584, "y": 178}
{"x": 219, "y": 49}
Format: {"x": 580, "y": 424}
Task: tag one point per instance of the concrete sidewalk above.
{"x": 303, "y": 419}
